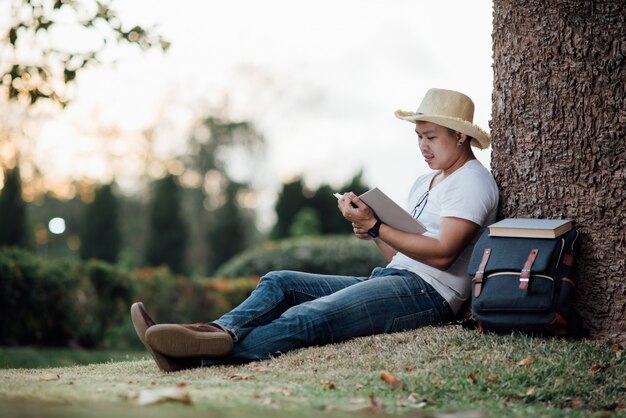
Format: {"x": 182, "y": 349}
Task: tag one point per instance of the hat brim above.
{"x": 480, "y": 138}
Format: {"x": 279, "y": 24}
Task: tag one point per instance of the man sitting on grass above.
{"x": 424, "y": 283}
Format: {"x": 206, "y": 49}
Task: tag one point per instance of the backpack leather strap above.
{"x": 524, "y": 277}
{"x": 478, "y": 277}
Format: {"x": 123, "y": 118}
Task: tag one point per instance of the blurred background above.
{"x": 203, "y": 140}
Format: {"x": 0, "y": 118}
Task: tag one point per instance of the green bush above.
{"x": 64, "y": 302}
{"x": 329, "y": 254}
{"x": 171, "y": 298}
{"x": 34, "y": 297}
{"x": 58, "y": 302}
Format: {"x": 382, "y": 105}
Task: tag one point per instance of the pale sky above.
{"x": 320, "y": 78}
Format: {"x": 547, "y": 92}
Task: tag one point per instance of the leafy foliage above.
{"x": 334, "y": 254}
{"x": 62, "y": 302}
{"x": 13, "y": 230}
{"x": 34, "y": 67}
{"x": 100, "y": 233}
{"x": 295, "y": 197}
{"x": 51, "y": 303}
{"x": 227, "y": 232}
{"x": 167, "y": 240}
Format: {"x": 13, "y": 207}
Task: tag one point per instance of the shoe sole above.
{"x": 141, "y": 328}
{"x": 177, "y": 341}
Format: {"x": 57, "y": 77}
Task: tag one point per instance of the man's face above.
{"x": 438, "y": 146}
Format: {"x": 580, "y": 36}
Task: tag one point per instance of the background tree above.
{"x": 13, "y": 230}
{"x": 306, "y": 223}
{"x": 296, "y": 203}
{"x": 167, "y": 236}
{"x": 224, "y": 156}
{"x": 558, "y": 134}
{"x": 100, "y": 233}
{"x": 230, "y": 228}
{"x": 290, "y": 201}
{"x": 326, "y": 205}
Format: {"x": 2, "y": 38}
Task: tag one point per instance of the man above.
{"x": 424, "y": 283}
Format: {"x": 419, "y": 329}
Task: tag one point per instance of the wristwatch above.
{"x": 373, "y": 231}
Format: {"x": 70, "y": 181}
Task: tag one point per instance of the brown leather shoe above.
{"x": 142, "y": 322}
{"x": 189, "y": 340}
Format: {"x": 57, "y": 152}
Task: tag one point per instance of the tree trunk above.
{"x": 559, "y": 147}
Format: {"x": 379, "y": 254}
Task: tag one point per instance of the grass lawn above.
{"x": 37, "y": 358}
{"x": 440, "y": 372}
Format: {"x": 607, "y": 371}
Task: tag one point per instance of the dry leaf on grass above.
{"x": 599, "y": 368}
{"x": 327, "y": 385}
{"x": 49, "y": 376}
{"x": 375, "y": 404}
{"x": 578, "y": 403}
{"x": 472, "y": 378}
{"x": 492, "y": 379}
{"x": 527, "y": 361}
{"x": 240, "y": 377}
{"x": 390, "y": 379}
{"x": 178, "y": 393}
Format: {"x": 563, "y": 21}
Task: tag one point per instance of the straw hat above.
{"x": 451, "y": 109}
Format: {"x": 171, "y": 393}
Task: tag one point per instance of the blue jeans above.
{"x": 290, "y": 310}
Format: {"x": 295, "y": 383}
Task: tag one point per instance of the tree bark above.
{"x": 559, "y": 147}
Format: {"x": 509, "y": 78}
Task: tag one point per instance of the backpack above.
{"x": 525, "y": 284}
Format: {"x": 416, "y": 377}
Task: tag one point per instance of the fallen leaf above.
{"x": 598, "y": 368}
{"x": 260, "y": 369}
{"x": 327, "y": 385}
{"x": 416, "y": 402}
{"x": 358, "y": 386}
{"x": 240, "y": 377}
{"x": 527, "y": 361}
{"x": 577, "y": 403}
{"x": 49, "y": 376}
{"x": 390, "y": 379}
{"x": 274, "y": 389}
{"x": 530, "y": 393}
{"x": 375, "y": 404}
{"x": 472, "y": 378}
{"x": 492, "y": 379}
{"x": 178, "y": 393}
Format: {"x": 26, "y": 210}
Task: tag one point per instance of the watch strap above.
{"x": 374, "y": 231}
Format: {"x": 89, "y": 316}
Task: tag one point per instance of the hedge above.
{"x": 86, "y": 303}
{"x": 334, "y": 254}
{"x": 62, "y": 302}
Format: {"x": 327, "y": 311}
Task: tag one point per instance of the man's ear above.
{"x": 461, "y": 138}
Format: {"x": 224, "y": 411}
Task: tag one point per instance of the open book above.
{"x": 389, "y": 212}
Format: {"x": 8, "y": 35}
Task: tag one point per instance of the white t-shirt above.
{"x": 469, "y": 193}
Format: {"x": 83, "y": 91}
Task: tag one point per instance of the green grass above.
{"x": 442, "y": 370}
{"x": 37, "y": 358}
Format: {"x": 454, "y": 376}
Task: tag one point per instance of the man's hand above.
{"x": 360, "y": 233}
{"x": 358, "y": 213}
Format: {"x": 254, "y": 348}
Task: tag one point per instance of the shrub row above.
{"x": 65, "y": 302}
{"x": 61, "y": 302}
{"x": 338, "y": 254}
